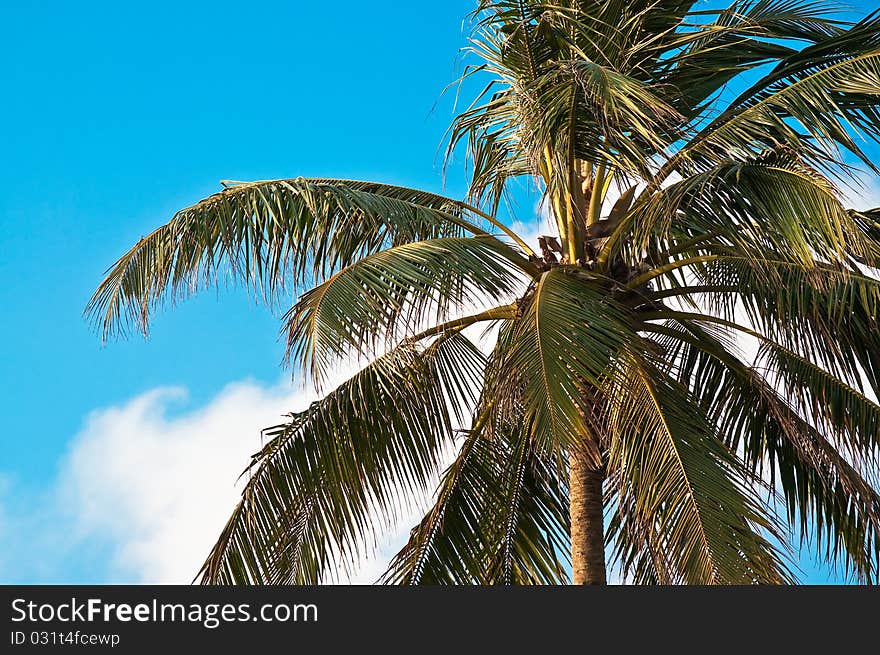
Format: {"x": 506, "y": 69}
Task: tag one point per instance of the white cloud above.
{"x": 146, "y": 486}
{"x": 158, "y": 484}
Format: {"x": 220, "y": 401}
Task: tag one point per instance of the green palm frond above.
{"x": 771, "y": 203}
{"x": 448, "y": 551}
{"x": 501, "y": 511}
{"x": 831, "y": 404}
{"x": 559, "y": 99}
{"x": 563, "y": 345}
{"x": 733, "y": 43}
{"x": 798, "y": 454}
{"x": 597, "y": 114}
{"x": 501, "y": 517}
{"x": 679, "y": 479}
{"x": 393, "y": 293}
{"x": 810, "y": 101}
{"x": 271, "y": 235}
{"x": 371, "y": 446}
{"x": 823, "y": 313}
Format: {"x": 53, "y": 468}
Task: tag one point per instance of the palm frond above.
{"x": 270, "y": 235}
{"x": 369, "y": 448}
{"x": 772, "y": 205}
{"x": 798, "y": 455}
{"x": 394, "y": 293}
{"x": 708, "y": 55}
{"x": 831, "y": 404}
{"x": 677, "y": 477}
{"x": 564, "y": 343}
{"x": 812, "y": 101}
{"x": 501, "y": 513}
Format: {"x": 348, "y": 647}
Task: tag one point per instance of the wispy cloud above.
{"x": 159, "y": 485}
{"x": 150, "y": 483}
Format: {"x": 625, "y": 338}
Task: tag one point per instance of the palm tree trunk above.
{"x": 587, "y": 537}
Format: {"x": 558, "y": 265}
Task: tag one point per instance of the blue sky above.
{"x": 121, "y": 116}
{"x": 114, "y": 116}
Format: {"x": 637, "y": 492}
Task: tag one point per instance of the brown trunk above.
{"x": 587, "y": 538}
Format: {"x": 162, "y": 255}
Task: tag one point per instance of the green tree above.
{"x": 694, "y": 163}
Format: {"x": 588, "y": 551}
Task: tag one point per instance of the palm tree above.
{"x": 694, "y": 164}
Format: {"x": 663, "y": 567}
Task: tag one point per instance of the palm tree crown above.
{"x": 694, "y": 163}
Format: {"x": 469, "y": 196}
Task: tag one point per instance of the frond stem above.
{"x": 662, "y": 270}
{"x": 494, "y": 314}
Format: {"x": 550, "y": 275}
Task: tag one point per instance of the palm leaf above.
{"x": 678, "y": 478}
{"x": 826, "y": 88}
{"x": 371, "y": 446}
{"x": 268, "y": 235}
{"x": 394, "y": 293}
{"x": 500, "y": 517}
{"x": 823, "y": 493}
{"x": 563, "y": 345}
